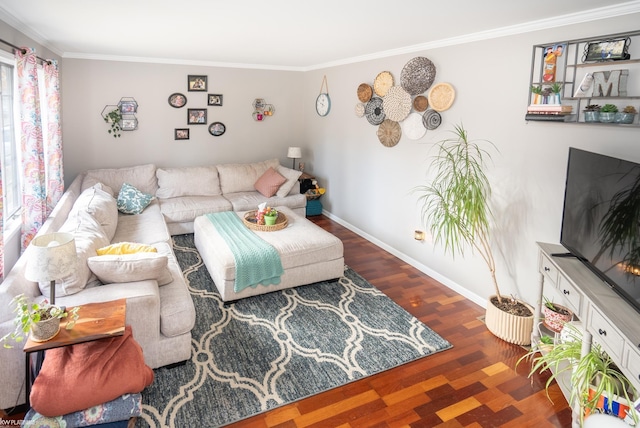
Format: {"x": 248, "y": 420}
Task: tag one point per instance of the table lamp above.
{"x": 52, "y": 256}
{"x": 294, "y": 153}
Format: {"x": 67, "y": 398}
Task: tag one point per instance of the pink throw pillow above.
{"x": 269, "y": 183}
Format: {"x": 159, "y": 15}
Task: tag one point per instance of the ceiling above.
{"x": 282, "y": 34}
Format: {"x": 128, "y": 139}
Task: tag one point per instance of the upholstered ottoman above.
{"x": 307, "y": 252}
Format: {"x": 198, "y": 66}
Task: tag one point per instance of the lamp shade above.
{"x": 294, "y": 153}
{"x": 51, "y": 257}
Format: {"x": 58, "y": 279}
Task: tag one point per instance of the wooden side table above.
{"x": 96, "y": 321}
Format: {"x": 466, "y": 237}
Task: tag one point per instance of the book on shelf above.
{"x": 549, "y": 108}
{"x": 551, "y": 117}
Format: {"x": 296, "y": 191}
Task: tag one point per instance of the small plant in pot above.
{"x": 114, "y": 119}
{"x": 270, "y": 216}
{"x": 608, "y": 113}
{"x": 592, "y": 113}
{"x": 455, "y": 207}
{"x": 41, "y": 320}
{"x": 555, "y": 315}
{"x": 626, "y": 115}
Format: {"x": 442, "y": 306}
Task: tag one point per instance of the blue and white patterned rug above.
{"x": 262, "y": 352}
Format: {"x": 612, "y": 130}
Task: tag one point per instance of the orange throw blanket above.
{"x": 77, "y": 377}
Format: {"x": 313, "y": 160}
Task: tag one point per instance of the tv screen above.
{"x": 601, "y": 219}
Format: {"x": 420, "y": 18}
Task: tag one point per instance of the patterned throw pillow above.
{"x": 269, "y": 182}
{"x": 132, "y": 200}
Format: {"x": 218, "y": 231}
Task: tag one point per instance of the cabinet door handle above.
{"x": 546, "y": 269}
{"x": 602, "y": 332}
{"x": 566, "y": 292}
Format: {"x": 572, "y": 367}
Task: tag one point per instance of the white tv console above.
{"x": 606, "y": 317}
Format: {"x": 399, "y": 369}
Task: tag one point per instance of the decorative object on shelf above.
{"x": 389, "y": 133}
{"x": 301, "y": 166}
{"x": 592, "y": 113}
{"x": 417, "y": 75}
{"x": 197, "y": 116}
{"x": 128, "y": 105}
{"x": 607, "y": 50}
{"x": 261, "y": 109}
{"x": 555, "y": 315}
{"x": 551, "y": 55}
{"x": 177, "y": 100}
{"x": 214, "y": 100}
{"x": 611, "y": 83}
{"x": 382, "y": 83}
{"x": 365, "y": 92}
{"x": 294, "y": 153}
{"x": 441, "y": 96}
{"x": 374, "y": 112}
{"x": 181, "y": 134}
{"x": 121, "y": 117}
{"x": 459, "y": 170}
{"x": 52, "y": 257}
{"x": 593, "y": 374}
{"x": 608, "y": 113}
{"x": 420, "y": 103}
{"x": 431, "y": 119}
{"x": 396, "y": 104}
{"x": 323, "y": 101}
{"x": 197, "y": 83}
{"x": 627, "y": 115}
{"x": 360, "y": 109}
{"x": 111, "y": 115}
{"x": 217, "y": 129}
{"x": 413, "y": 127}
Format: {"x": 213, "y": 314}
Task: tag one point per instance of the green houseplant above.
{"x": 626, "y": 115}
{"x": 591, "y": 375}
{"x": 40, "y": 319}
{"x": 592, "y": 113}
{"x": 608, "y": 113}
{"x": 114, "y": 119}
{"x": 555, "y": 315}
{"x": 455, "y": 207}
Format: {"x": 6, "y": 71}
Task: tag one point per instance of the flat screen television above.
{"x": 601, "y": 219}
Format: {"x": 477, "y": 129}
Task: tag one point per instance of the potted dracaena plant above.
{"x": 41, "y": 320}
{"x": 455, "y": 207}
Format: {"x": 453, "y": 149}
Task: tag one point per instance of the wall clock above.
{"x": 323, "y": 102}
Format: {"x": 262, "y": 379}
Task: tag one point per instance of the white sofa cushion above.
{"x": 187, "y": 208}
{"x": 245, "y": 201}
{"x": 101, "y": 205}
{"x": 143, "y": 177}
{"x": 148, "y": 227}
{"x": 292, "y": 176}
{"x": 241, "y": 177}
{"x": 188, "y": 181}
{"x": 131, "y": 267}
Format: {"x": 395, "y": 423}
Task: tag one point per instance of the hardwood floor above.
{"x": 474, "y": 384}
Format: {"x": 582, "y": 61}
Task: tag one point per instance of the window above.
{"x": 10, "y": 152}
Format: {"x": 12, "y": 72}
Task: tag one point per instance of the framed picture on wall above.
{"x": 197, "y": 83}
{"x": 214, "y": 100}
{"x": 177, "y": 100}
{"x": 217, "y": 129}
{"x": 197, "y": 116}
{"x": 181, "y": 133}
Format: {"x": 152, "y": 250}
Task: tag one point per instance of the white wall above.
{"x": 369, "y": 186}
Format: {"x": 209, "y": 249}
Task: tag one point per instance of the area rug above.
{"x": 262, "y": 352}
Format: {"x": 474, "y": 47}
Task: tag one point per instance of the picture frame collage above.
{"x": 197, "y": 116}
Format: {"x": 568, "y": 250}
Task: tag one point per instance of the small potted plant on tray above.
{"x": 270, "y": 216}
{"x": 608, "y": 113}
{"x": 592, "y": 113}
{"x": 555, "y": 316}
{"x": 42, "y": 320}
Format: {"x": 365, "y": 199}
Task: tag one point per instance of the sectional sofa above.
{"x": 157, "y": 203}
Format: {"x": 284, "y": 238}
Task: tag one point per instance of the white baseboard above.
{"x": 481, "y": 301}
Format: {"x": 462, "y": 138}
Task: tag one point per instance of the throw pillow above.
{"x": 101, "y": 205}
{"x": 131, "y": 267}
{"x": 126, "y": 248}
{"x": 269, "y": 182}
{"x": 292, "y": 176}
{"x": 132, "y": 200}
{"x": 87, "y": 374}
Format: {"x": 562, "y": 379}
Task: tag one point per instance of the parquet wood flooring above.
{"x": 474, "y": 384}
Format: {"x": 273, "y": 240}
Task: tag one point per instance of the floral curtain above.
{"x": 34, "y": 196}
{"x": 1, "y": 227}
{"x": 53, "y": 136}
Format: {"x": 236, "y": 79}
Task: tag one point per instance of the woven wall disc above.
{"x": 413, "y": 127}
{"x": 417, "y": 75}
{"x": 396, "y": 104}
{"x": 364, "y": 92}
{"x": 441, "y": 96}
{"x": 389, "y": 133}
{"x": 374, "y": 112}
{"x": 382, "y": 83}
{"x": 360, "y": 109}
{"x": 420, "y": 103}
{"x": 431, "y": 119}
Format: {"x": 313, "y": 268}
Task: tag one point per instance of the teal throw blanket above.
{"x": 257, "y": 262}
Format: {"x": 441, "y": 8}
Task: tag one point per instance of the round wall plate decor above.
{"x": 217, "y": 129}
{"x": 374, "y": 112}
{"x": 389, "y": 133}
{"x": 382, "y": 83}
{"x": 396, "y": 104}
{"x": 413, "y": 127}
{"x": 359, "y": 109}
{"x": 417, "y": 75}
{"x": 364, "y": 92}
{"x": 420, "y": 103}
{"x": 431, "y": 119}
{"x": 441, "y": 96}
